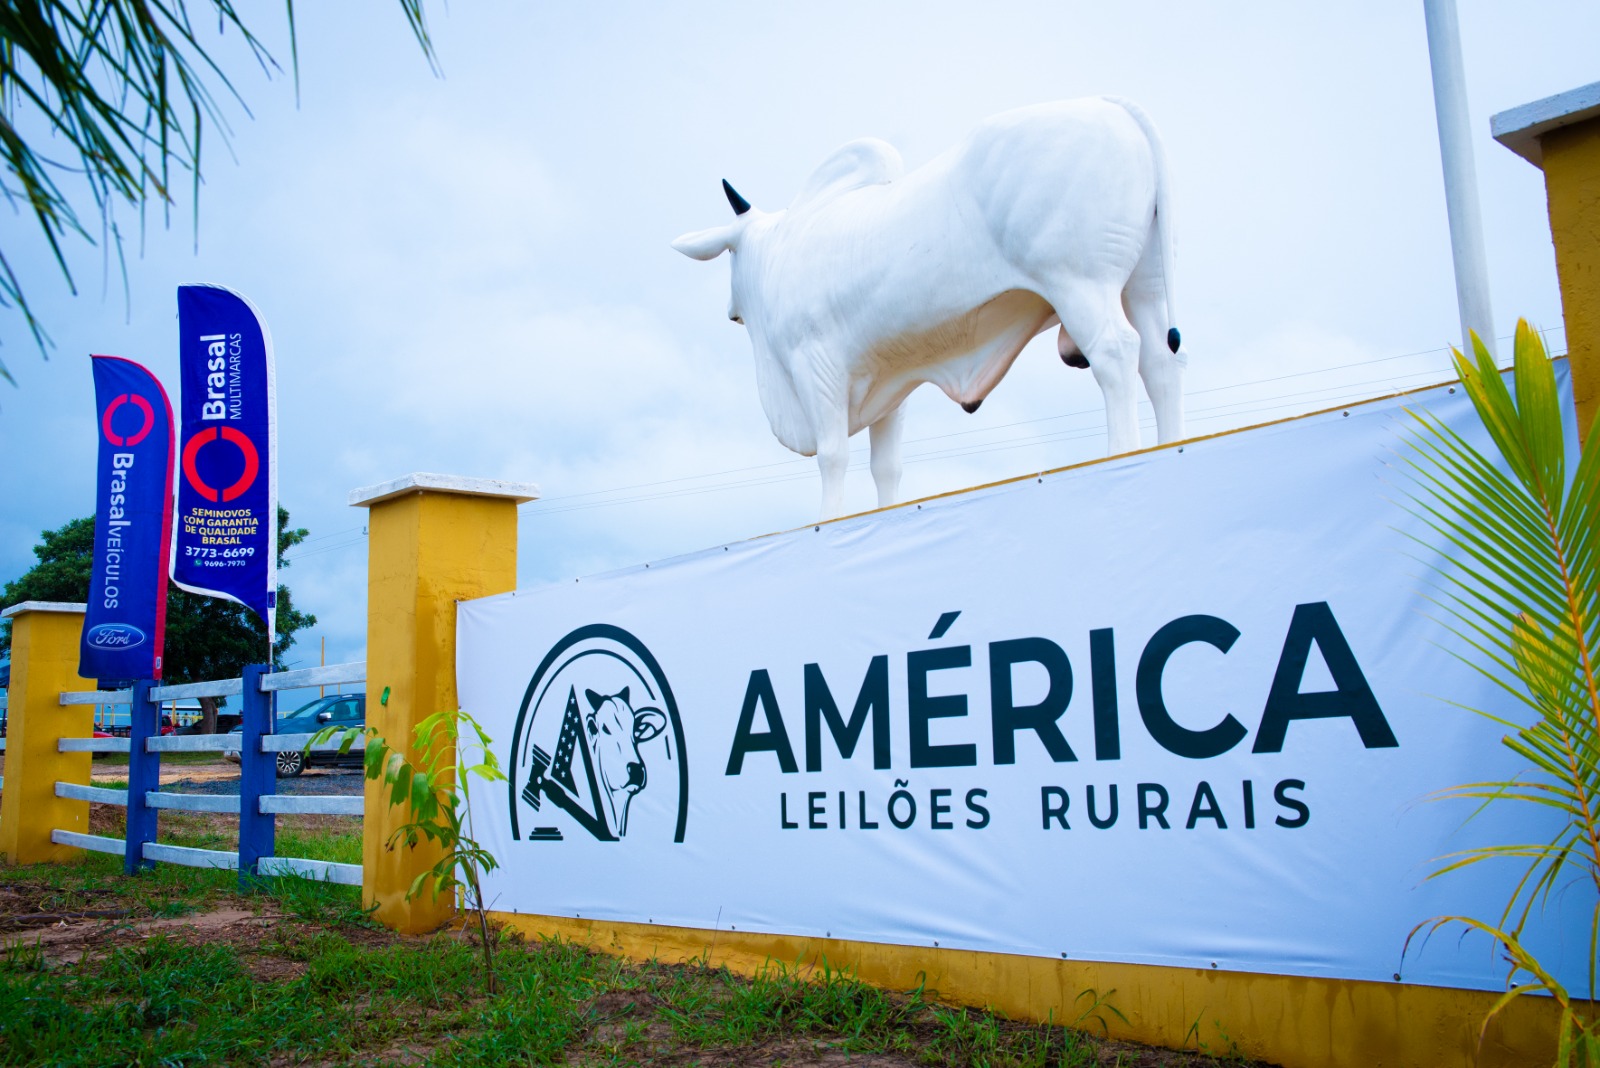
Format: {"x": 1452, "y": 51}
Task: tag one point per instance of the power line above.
{"x": 348, "y": 542}
{"x": 1005, "y": 426}
{"x": 1339, "y": 393}
{"x": 313, "y": 539}
{"x": 544, "y": 504}
{"x": 780, "y": 471}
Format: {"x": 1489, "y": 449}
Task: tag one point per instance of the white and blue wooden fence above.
{"x": 258, "y": 804}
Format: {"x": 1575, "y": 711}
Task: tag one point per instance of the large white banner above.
{"x": 1182, "y": 708}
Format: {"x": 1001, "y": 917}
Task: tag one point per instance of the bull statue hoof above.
{"x": 845, "y": 325}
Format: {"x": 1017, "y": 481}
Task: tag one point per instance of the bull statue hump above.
{"x": 874, "y": 281}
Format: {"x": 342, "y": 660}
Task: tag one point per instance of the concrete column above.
{"x": 1572, "y": 185}
{"x": 1561, "y": 136}
{"x": 44, "y": 662}
{"x": 433, "y": 540}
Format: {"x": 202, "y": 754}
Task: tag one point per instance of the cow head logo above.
{"x": 615, "y": 731}
{"x": 598, "y": 743}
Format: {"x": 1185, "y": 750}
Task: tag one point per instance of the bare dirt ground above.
{"x": 205, "y": 775}
{"x": 214, "y": 769}
{"x": 66, "y": 937}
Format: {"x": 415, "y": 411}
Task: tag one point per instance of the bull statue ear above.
{"x": 623, "y": 696}
{"x": 647, "y": 723}
{"x": 707, "y": 244}
{"x": 595, "y": 699}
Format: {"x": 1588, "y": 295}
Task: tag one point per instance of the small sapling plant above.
{"x": 437, "y": 790}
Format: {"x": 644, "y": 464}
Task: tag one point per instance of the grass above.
{"x": 96, "y": 882}
{"x": 307, "y": 978}
{"x": 330, "y": 838}
{"x": 316, "y": 843}
{"x": 334, "y": 838}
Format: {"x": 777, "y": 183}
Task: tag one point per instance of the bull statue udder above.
{"x": 874, "y": 281}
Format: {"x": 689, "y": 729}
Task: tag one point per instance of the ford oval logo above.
{"x": 116, "y": 636}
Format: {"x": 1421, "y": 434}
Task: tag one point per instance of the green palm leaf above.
{"x": 1519, "y": 534}
{"x": 125, "y": 89}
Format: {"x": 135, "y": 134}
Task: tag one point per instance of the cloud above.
{"x": 471, "y": 274}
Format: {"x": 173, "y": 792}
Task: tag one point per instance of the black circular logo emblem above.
{"x": 598, "y": 745}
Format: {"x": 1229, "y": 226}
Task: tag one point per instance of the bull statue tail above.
{"x": 1163, "y": 212}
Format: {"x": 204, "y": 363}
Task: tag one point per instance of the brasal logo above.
{"x": 128, "y": 440}
{"x": 598, "y": 743}
{"x": 252, "y": 462}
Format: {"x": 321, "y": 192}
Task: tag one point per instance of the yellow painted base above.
{"x": 1572, "y": 183}
{"x": 427, "y": 550}
{"x": 1292, "y": 1021}
{"x": 44, "y": 662}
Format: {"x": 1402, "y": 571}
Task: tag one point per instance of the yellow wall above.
{"x": 44, "y": 662}
{"x": 1572, "y": 183}
{"x": 1295, "y": 1022}
{"x": 428, "y": 549}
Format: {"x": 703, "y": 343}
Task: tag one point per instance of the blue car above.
{"x": 335, "y": 710}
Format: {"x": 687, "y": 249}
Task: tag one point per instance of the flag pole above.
{"x": 1460, "y": 174}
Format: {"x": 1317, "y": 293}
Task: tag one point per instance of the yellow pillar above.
{"x": 1561, "y": 136}
{"x": 1572, "y": 185}
{"x": 44, "y": 663}
{"x": 433, "y": 540}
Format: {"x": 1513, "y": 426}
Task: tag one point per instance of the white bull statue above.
{"x": 875, "y": 281}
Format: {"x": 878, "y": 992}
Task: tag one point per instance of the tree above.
{"x": 66, "y": 558}
{"x": 1520, "y": 527}
{"x": 124, "y": 89}
{"x": 207, "y": 637}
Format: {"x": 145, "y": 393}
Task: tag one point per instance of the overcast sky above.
{"x": 472, "y": 274}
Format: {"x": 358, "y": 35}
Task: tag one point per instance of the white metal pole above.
{"x": 1460, "y": 175}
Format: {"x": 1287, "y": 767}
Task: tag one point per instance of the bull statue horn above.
{"x": 740, "y": 204}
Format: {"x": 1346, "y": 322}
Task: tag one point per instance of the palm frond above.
{"x": 1519, "y": 564}
{"x": 127, "y": 87}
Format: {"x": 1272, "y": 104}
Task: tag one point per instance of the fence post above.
{"x": 144, "y": 774}
{"x": 258, "y": 775}
{"x": 44, "y": 662}
{"x": 433, "y": 540}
